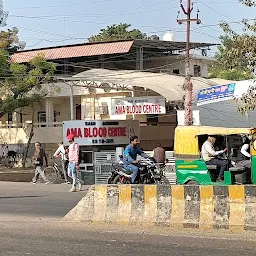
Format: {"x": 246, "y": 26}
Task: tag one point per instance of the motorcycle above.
{"x": 149, "y": 173}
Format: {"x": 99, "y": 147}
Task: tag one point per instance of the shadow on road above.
{"x": 14, "y": 197}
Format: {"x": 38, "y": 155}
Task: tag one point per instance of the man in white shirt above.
{"x": 64, "y": 161}
{"x": 210, "y": 156}
{"x": 244, "y": 156}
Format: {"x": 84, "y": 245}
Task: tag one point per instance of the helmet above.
{"x": 71, "y": 136}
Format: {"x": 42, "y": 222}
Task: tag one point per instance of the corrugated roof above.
{"x": 74, "y": 51}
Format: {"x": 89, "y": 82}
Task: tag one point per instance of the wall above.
{"x": 20, "y": 135}
{"x": 149, "y": 135}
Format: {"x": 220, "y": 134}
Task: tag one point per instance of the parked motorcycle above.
{"x": 149, "y": 173}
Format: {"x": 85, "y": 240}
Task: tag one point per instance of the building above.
{"x": 91, "y": 74}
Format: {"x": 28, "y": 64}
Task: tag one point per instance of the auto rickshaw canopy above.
{"x": 186, "y": 137}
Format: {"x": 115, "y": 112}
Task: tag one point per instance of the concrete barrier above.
{"x": 206, "y": 207}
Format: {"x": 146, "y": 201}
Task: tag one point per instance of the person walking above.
{"x": 38, "y": 158}
{"x": 64, "y": 161}
{"x": 73, "y": 165}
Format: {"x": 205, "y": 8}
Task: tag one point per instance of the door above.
{"x": 78, "y": 112}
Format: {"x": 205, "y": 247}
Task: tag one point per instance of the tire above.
{"x": 118, "y": 180}
{"x": 9, "y": 161}
{"x": 50, "y": 174}
{"x": 164, "y": 181}
{"x": 192, "y": 182}
{"x": 241, "y": 178}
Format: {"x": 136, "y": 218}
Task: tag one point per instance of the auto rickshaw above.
{"x": 192, "y": 169}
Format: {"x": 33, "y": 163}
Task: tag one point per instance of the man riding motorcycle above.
{"x": 130, "y": 157}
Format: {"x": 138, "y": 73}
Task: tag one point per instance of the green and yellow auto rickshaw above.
{"x": 192, "y": 169}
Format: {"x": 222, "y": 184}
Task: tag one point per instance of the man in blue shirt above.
{"x": 130, "y": 157}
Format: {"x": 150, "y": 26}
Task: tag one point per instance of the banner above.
{"x": 101, "y": 132}
{"x": 138, "y": 106}
{"x": 215, "y": 94}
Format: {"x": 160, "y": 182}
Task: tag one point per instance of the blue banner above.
{"x": 215, "y": 94}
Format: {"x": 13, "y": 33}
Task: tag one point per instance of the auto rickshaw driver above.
{"x": 212, "y": 157}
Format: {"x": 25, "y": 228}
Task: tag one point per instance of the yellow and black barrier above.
{"x": 206, "y": 207}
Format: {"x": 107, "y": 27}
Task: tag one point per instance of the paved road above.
{"x": 28, "y": 201}
{"x": 72, "y": 240}
{"x": 31, "y": 224}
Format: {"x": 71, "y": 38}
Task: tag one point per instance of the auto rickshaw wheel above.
{"x": 192, "y": 182}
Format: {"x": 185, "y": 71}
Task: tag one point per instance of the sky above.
{"x": 59, "y": 22}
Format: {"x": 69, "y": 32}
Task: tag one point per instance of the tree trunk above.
{"x": 31, "y": 134}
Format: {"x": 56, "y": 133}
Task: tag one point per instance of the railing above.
{"x": 27, "y": 124}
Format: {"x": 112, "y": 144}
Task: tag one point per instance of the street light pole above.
{"x": 188, "y": 86}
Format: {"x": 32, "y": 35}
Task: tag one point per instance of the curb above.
{"x": 16, "y": 176}
{"x": 204, "y": 207}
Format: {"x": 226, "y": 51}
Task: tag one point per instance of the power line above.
{"x": 62, "y": 5}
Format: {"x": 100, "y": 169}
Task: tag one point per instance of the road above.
{"x": 31, "y": 224}
{"x": 29, "y": 201}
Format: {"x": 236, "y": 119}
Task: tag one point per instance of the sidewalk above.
{"x": 16, "y": 174}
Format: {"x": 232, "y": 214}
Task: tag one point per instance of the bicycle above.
{"x": 53, "y": 172}
{"x": 8, "y": 159}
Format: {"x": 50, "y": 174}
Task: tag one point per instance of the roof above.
{"x": 169, "y": 86}
{"x": 209, "y": 130}
{"x": 73, "y": 51}
{"x": 100, "y": 48}
{"x": 186, "y": 142}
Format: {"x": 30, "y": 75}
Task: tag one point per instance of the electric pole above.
{"x": 188, "y": 86}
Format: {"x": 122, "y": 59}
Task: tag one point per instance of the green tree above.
{"x": 22, "y": 85}
{"x": 117, "y": 32}
{"x": 9, "y": 40}
{"x": 226, "y": 67}
{"x": 236, "y": 58}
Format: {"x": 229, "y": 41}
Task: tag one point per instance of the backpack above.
{"x": 80, "y": 157}
{"x": 66, "y": 152}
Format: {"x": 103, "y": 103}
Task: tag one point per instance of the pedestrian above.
{"x": 38, "y": 158}
{"x": 64, "y": 161}
{"x": 73, "y": 165}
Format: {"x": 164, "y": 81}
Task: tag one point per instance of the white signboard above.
{"x": 138, "y": 106}
{"x": 100, "y": 132}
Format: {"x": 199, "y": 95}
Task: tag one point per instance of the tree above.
{"x": 23, "y": 88}
{"x": 10, "y": 42}
{"x": 117, "y": 32}
{"x": 238, "y": 53}
{"x": 226, "y": 68}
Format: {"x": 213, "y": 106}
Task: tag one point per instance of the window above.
{"x": 87, "y": 157}
{"x": 176, "y": 71}
{"x": 152, "y": 119}
{"x": 197, "y": 70}
{"x": 41, "y": 117}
